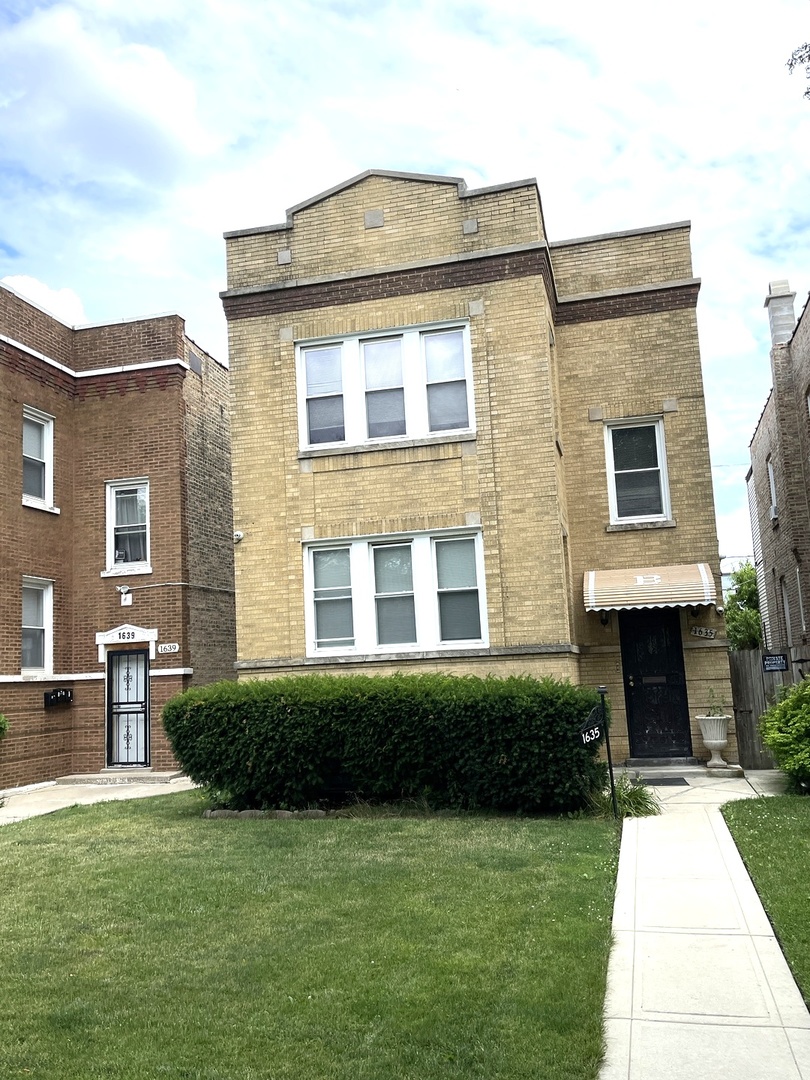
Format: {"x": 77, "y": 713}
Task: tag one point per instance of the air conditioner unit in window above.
{"x": 774, "y": 513}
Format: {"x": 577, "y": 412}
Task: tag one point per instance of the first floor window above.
{"x": 37, "y": 625}
{"x": 128, "y": 525}
{"x": 459, "y": 614}
{"x": 396, "y": 594}
{"x": 394, "y": 599}
{"x": 332, "y": 591}
{"x": 636, "y": 463}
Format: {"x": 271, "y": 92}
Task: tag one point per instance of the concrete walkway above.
{"x": 21, "y": 803}
{"x": 697, "y": 984}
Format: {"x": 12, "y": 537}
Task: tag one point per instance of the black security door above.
{"x": 128, "y": 708}
{"x": 654, "y": 683}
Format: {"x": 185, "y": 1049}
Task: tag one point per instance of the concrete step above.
{"x": 121, "y": 776}
{"x": 666, "y": 773}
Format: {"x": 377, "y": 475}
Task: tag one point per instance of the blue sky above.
{"x": 132, "y": 135}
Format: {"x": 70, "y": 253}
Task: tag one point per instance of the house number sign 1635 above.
{"x": 591, "y": 730}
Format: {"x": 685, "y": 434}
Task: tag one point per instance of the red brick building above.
{"x": 116, "y": 538}
{"x": 778, "y": 485}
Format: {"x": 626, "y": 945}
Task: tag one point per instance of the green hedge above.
{"x": 468, "y": 743}
{"x": 785, "y": 729}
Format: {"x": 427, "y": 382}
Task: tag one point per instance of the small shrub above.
{"x": 460, "y": 742}
{"x": 3, "y": 725}
{"x": 632, "y": 800}
{"x": 785, "y": 729}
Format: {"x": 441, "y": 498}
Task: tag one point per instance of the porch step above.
{"x": 121, "y": 776}
{"x": 666, "y": 774}
{"x": 654, "y": 762}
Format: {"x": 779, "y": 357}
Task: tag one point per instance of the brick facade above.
{"x": 563, "y": 338}
{"x": 778, "y": 484}
{"x": 129, "y": 401}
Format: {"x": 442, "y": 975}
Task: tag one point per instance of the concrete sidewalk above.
{"x": 21, "y": 803}
{"x": 697, "y": 984}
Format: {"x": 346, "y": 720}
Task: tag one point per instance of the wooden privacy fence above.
{"x": 753, "y": 691}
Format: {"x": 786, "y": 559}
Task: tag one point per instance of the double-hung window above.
{"x": 37, "y": 625}
{"x": 395, "y": 594}
{"x": 637, "y": 474}
{"x": 361, "y": 390}
{"x": 128, "y": 527}
{"x": 37, "y": 459}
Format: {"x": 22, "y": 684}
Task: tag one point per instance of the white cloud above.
{"x": 80, "y": 106}
{"x": 63, "y": 303}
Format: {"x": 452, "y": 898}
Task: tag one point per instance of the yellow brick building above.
{"x": 460, "y": 447}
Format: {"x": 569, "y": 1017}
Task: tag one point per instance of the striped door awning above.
{"x": 687, "y": 585}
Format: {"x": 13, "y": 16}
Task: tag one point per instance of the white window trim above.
{"x": 802, "y": 618}
{"x": 114, "y": 569}
{"x": 786, "y": 612}
{"x": 774, "y": 510}
{"x": 45, "y": 585}
{"x": 426, "y": 589}
{"x": 354, "y": 389}
{"x": 642, "y": 421}
{"x": 47, "y": 422}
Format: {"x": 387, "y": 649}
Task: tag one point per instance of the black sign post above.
{"x": 602, "y": 690}
{"x": 591, "y": 732}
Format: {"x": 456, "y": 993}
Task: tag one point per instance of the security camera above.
{"x": 237, "y": 536}
{"x": 720, "y": 610}
{"x": 124, "y": 589}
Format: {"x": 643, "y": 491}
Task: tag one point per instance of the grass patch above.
{"x": 773, "y": 836}
{"x": 140, "y": 941}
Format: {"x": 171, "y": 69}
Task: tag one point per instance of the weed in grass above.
{"x": 632, "y": 800}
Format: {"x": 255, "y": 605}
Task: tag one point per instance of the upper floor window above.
{"x": 406, "y": 385}
{"x": 128, "y": 527}
{"x": 37, "y": 625}
{"x": 37, "y": 452}
{"x": 395, "y": 594}
{"x": 637, "y": 474}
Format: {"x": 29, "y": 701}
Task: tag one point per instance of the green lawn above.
{"x": 140, "y": 941}
{"x": 773, "y": 836}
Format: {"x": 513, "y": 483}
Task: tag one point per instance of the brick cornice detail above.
{"x": 405, "y": 281}
{"x": 408, "y": 281}
{"x": 645, "y": 301}
{"x": 96, "y": 384}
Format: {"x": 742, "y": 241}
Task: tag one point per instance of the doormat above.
{"x": 664, "y": 781}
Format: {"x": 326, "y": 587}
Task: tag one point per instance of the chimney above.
{"x": 779, "y": 303}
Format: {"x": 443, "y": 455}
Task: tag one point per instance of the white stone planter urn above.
{"x": 714, "y": 730}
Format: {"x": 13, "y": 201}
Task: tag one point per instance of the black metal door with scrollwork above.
{"x": 655, "y": 683}
{"x": 128, "y": 708}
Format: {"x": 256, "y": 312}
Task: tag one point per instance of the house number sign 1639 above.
{"x": 168, "y": 647}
